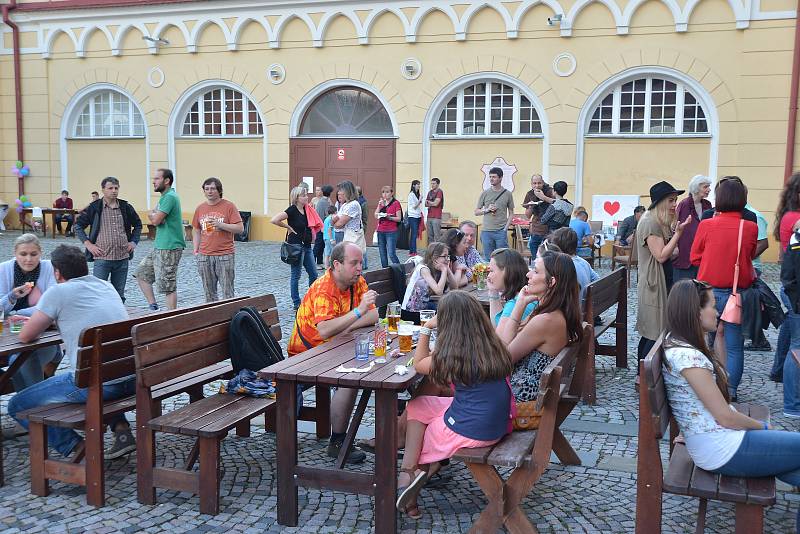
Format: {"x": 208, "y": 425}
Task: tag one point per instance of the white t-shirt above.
{"x": 414, "y": 205}
{"x": 353, "y": 210}
{"x": 81, "y": 303}
{"x": 709, "y": 444}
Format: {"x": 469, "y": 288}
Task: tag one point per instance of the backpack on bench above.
{"x": 251, "y": 345}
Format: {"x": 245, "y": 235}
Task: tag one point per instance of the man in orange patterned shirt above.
{"x": 337, "y": 302}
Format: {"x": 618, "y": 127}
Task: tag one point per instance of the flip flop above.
{"x": 405, "y": 494}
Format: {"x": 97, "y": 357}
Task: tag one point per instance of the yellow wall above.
{"x": 458, "y": 164}
{"x": 92, "y": 160}
{"x": 746, "y": 73}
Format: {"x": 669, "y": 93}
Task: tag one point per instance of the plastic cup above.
{"x": 393, "y": 316}
{"x": 362, "y": 346}
{"x": 405, "y": 333}
{"x": 425, "y": 316}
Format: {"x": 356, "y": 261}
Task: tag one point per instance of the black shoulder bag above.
{"x": 291, "y": 252}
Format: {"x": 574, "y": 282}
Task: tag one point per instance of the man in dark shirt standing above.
{"x": 116, "y": 228}
{"x": 434, "y": 202}
{"x": 64, "y": 203}
{"x": 534, "y": 209}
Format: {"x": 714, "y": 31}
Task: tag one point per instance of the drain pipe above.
{"x": 793, "y": 93}
{"x": 18, "y": 87}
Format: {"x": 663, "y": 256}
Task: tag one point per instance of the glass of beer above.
{"x": 393, "y": 316}
{"x": 425, "y": 316}
{"x": 405, "y": 332}
{"x": 2, "y": 321}
{"x": 208, "y": 225}
{"x": 379, "y": 342}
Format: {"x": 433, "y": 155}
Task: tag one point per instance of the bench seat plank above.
{"x": 174, "y": 421}
{"x": 244, "y": 409}
{"x": 212, "y": 416}
{"x": 477, "y": 455}
{"x": 512, "y": 451}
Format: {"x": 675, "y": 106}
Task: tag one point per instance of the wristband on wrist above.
{"x": 357, "y": 312}
{"x": 425, "y": 331}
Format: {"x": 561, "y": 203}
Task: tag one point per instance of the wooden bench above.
{"x": 627, "y": 256}
{"x": 683, "y": 477}
{"x": 380, "y": 281}
{"x": 527, "y": 453}
{"x": 168, "y": 349}
{"x": 600, "y": 296}
{"x": 105, "y": 353}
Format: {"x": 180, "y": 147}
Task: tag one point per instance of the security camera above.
{"x": 555, "y": 19}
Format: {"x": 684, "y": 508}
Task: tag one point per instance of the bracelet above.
{"x": 425, "y": 331}
{"x": 358, "y": 313}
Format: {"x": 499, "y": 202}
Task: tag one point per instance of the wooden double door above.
{"x": 369, "y": 163}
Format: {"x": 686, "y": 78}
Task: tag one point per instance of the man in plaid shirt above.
{"x": 337, "y": 302}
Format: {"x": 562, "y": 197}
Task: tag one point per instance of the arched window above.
{"x": 222, "y": 112}
{"x": 108, "y": 113}
{"x": 648, "y": 106}
{"x": 346, "y": 111}
{"x": 488, "y": 108}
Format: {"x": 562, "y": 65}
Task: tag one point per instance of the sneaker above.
{"x": 14, "y": 431}
{"x": 776, "y": 378}
{"x": 123, "y": 444}
{"x": 153, "y": 306}
{"x": 791, "y": 415}
{"x": 356, "y": 456}
{"x": 766, "y": 347}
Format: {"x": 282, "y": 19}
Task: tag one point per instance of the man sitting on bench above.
{"x": 337, "y": 302}
{"x": 79, "y": 301}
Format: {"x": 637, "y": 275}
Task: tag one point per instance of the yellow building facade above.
{"x": 609, "y": 96}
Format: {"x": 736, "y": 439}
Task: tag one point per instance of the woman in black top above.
{"x": 294, "y": 220}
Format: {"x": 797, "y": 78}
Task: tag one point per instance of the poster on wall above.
{"x": 611, "y": 210}
{"x": 509, "y": 169}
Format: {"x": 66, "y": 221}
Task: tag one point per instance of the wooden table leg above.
{"x": 491, "y": 518}
{"x": 323, "y": 411}
{"x": 4, "y": 378}
{"x": 287, "y": 452}
{"x": 355, "y": 422}
{"x": 385, "y": 461}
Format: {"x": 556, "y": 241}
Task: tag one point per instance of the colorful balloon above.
{"x": 23, "y": 198}
{"x": 27, "y": 204}
{"x": 19, "y": 164}
{"x": 18, "y": 202}
{"x": 19, "y": 209}
{"x": 25, "y": 171}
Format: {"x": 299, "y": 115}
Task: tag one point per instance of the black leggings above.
{"x": 644, "y": 348}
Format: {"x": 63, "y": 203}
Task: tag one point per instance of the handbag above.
{"x": 733, "y": 308}
{"x": 291, "y": 252}
{"x": 356, "y": 237}
{"x": 527, "y": 416}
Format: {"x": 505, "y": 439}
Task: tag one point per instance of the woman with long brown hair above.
{"x": 718, "y": 438}
{"x": 431, "y": 277}
{"x": 470, "y": 358}
{"x": 554, "y": 324}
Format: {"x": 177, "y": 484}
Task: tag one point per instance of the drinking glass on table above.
{"x": 405, "y": 333}
{"x": 379, "y": 341}
{"x": 425, "y": 316}
{"x": 393, "y": 316}
{"x": 2, "y": 320}
{"x": 362, "y": 342}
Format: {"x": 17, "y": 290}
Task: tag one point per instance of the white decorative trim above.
{"x": 156, "y": 72}
{"x": 69, "y": 117}
{"x": 51, "y": 38}
{"x": 280, "y": 69}
{"x": 697, "y": 90}
{"x": 116, "y": 46}
{"x": 570, "y": 70}
{"x": 179, "y": 112}
{"x": 302, "y": 107}
{"x": 432, "y": 116}
{"x": 411, "y": 62}
{"x": 162, "y": 27}
{"x": 87, "y": 32}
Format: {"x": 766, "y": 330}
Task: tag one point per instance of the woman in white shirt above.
{"x": 348, "y": 218}
{"x": 717, "y": 437}
{"x": 414, "y": 214}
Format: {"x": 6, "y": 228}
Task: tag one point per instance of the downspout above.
{"x": 18, "y": 87}
{"x": 793, "y": 93}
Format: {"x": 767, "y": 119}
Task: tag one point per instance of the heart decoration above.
{"x": 611, "y": 207}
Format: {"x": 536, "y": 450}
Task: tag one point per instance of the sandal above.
{"x": 413, "y": 512}
{"x": 405, "y": 494}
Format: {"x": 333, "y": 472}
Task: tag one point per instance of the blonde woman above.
{"x": 657, "y": 237}
{"x": 295, "y": 221}
{"x": 348, "y": 218}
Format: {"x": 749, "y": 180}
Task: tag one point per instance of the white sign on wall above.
{"x": 509, "y": 170}
{"x": 310, "y": 181}
{"x": 611, "y": 209}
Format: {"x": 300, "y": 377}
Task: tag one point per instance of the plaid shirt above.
{"x": 323, "y": 301}
{"x": 112, "y": 239}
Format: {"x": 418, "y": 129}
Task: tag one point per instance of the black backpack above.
{"x": 251, "y": 345}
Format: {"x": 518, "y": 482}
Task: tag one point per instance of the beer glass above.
{"x": 393, "y": 316}
{"x": 405, "y": 331}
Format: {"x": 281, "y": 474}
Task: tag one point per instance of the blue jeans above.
{"x": 791, "y": 373}
{"x": 307, "y": 261}
{"x": 387, "y": 246}
{"x": 493, "y": 239}
{"x": 117, "y": 270}
{"x": 734, "y": 344}
{"x": 413, "y": 225}
{"x": 784, "y": 340}
{"x": 60, "y": 217}
{"x": 62, "y": 388}
{"x": 32, "y": 371}
{"x": 767, "y": 453}
{"x": 684, "y": 274}
{"x": 534, "y": 243}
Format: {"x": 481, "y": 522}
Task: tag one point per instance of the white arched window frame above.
{"x": 107, "y": 113}
{"x": 651, "y": 106}
{"x": 220, "y": 112}
{"x": 488, "y": 108}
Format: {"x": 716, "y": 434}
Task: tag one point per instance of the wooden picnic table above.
{"x": 481, "y": 294}
{"x": 318, "y": 366}
{"x": 10, "y": 344}
{"x": 52, "y": 212}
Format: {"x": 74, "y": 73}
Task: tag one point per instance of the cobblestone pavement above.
{"x": 599, "y": 496}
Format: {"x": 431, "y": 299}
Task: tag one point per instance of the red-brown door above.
{"x": 369, "y": 163}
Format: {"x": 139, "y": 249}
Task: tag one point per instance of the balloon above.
{"x": 23, "y": 198}
{"x": 27, "y": 204}
{"x": 19, "y": 209}
{"x": 25, "y": 171}
{"x": 19, "y": 164}
{"x": 18, "y": 202}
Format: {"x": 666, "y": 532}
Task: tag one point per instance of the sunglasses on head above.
{"x": 700, "y": 285}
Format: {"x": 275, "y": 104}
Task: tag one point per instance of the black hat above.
{"x": 660, "y": 191}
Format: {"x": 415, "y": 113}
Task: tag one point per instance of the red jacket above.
{"x": 714, "y": 250}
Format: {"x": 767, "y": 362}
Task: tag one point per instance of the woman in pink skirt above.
{"x": 471, "y": 359}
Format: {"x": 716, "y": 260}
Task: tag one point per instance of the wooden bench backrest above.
{"x": 115, "y": 354}
{"x": 602, "y": 294}
{"x": 380, "y": 281}
{"x": 174, "y": 346}
{"x": 656, "y": 392}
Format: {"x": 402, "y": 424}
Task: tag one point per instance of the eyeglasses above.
{"x": 444, "y": 256}
{"x": 731, "y": 178}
